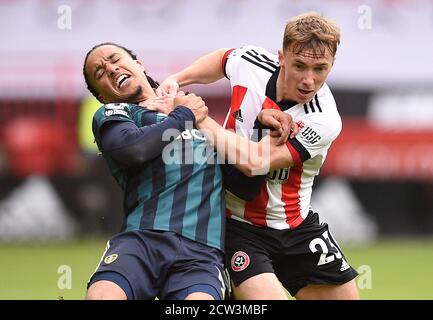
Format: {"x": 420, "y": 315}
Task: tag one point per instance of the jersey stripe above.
{"x": 238, "y": 95}
{"x": 204, "y": 207}
{"x": 269, "y": 104}
{"x": 193, "y": 199}
{"x": 214, "y": 227}
{"x": 165, "y": 199}
{"x": 290, "y": 196}
{"x": 274, "y": 63}
{"x": 158, "y": 182}
{"x": 267, "y": 58}
{"x": 254, "y": 51}
{"x": 179, "y": 198}
{"x": 257, "y": 64}
{"x": 255, "y": 56}
{"x": 317, "y": 103}
{"x": 312, "y": 106}
{"x": 290, "y": 190}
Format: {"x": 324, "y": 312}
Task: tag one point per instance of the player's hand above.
{"x": 194, "y": 103}
{"x": 164, "y": 104}
{"x": 282, "y": 122}
{"x": 168, "y": 87}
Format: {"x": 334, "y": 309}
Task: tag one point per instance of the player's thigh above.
{"x": 250, "y": 264}
{"x": 312, "y": 259}
{"x": 263, "y": 286}
{"x": 345, "y": 291}
{"x": 129, "y": 262}
{"x": 105, "y": 290}
{"x": 246, "y": 253}
{"x": 197, "y": 273}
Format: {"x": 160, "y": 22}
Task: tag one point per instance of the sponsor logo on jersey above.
{"x": 115, "y": 106}
{"x": 278, "y": 176}
{"x": 112, "y": 109}
{"x": 190, "y": 134}
{"x": 111, "y": 258}
{"x": 344, "y": 265}
{"x": 240, "y": 261}
{"x": 116, "y": 112}
{"x": 310, "y": 135}
{"x": 300, "y": 124}
{"x": 238, "y": 116}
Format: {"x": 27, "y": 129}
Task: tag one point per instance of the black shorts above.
{"x": 162, "y": 264}
{"x": 299, "y": 257}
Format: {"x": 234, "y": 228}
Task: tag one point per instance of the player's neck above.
{"x": 145, "y": 95}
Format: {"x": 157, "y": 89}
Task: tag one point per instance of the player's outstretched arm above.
{"x": 251, "y": 158}
{"x": 204, "y": 70}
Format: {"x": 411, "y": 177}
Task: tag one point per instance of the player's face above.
{"x": 116, "y": 76}
{"x": 303, "y": 73}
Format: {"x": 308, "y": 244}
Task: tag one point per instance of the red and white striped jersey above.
{"x": 284, "y": 200}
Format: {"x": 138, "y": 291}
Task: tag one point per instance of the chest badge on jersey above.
{"x": 111, "y": 258}
{"x": 240, "y": 261}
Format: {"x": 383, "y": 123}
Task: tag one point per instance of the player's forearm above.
{"x": 206, "y": 69}
{"x": 131, "y": 145}
{"x": 251, "y": 158}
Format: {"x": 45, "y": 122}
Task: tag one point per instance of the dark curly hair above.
{"x": 154, "y": 84}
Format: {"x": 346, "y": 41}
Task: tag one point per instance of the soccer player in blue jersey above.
{"x": 172, "y": 240}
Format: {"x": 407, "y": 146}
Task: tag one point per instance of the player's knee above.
{"x": 199, "y": 296}
{"x": 352, "y": 290}
{"x": 346, "y": 291}
{"x": 105, "y": 290}
{"x": 264, "y": 286}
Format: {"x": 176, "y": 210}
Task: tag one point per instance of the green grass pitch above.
{"x": 389, "y": 269}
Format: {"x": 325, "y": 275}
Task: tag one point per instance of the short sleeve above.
{"x": 110, "y": 112}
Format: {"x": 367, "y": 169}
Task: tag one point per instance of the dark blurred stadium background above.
{"x": 377, "y": 180}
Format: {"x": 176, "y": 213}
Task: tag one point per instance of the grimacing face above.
{"x": 116, "y": 76}
{"x": 304, "y": 73}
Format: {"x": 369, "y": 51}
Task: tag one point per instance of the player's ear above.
{"x": 280, "y": 57}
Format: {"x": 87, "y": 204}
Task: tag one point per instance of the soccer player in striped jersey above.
{"x": 277, "y": 237}
{"x": 172, "y": 241}
{"x": 172, "y": 238}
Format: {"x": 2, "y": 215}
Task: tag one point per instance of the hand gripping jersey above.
{"x": 284, "y": 200}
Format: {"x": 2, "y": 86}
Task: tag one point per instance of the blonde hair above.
{"x": 311, "y": 31}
